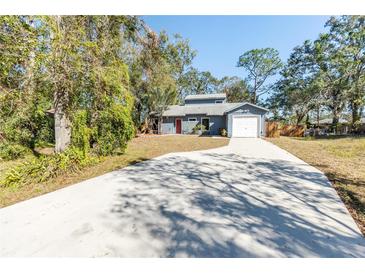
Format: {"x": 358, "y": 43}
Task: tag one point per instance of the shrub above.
{"x": 357, "y": 126}
{"x": 198, "y": 127}
{"x": 81, "y": 133}
{"x": 223, "y": 132}
{"x": 114, "y": 128}
{"x": 10, "y": 151}
{"x": 41, "y": 169}
{"x": 28, "y": 124}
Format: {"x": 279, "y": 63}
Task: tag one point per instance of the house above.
{"x": 328, "y": 121}
{"x": 214, "y": 113}
{"x": 325, "y": 126}
{"x": 343, "y": 127}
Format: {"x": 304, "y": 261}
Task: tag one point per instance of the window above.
{"x": 218, "y": 101}
{"x": 192, "y": 119}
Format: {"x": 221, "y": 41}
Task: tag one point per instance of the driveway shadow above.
{"x": 227, "y": 205}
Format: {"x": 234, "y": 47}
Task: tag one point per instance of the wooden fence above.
{"x": 274, "y": 130}
{"x": 292, "y": 131}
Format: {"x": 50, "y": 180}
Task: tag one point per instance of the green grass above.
{"x": 139, "y": 149}
{"x": 343, "y": 162}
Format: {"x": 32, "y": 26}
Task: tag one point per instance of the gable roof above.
{"x": 247, "y": 103}
{"x": 206, "y": 96}
{"x": 205, "y": 109}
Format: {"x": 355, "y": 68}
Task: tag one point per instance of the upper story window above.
{"x": 218, "y": 101}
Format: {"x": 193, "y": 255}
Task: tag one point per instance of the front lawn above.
{"x": 343, "y": 162}
{"x": 139, "y": 149}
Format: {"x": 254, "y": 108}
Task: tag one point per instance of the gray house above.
{"x": 212, "y": 111}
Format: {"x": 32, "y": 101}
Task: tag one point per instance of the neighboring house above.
{"x": 213, "y": 111}
{"x": 325, "y": 126}
{"x": 344, "y": 126}
{"x": 328, "y": 121}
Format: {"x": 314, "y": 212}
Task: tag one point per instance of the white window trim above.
{"x": 192, "y": 119}
{"x": 219, "y": 101}
{"x": 201, "y": 121}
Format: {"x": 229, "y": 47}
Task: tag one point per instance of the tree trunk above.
{"x": 335, "y": 120}
{"x": 61, "y": 100}
{"x": 355, "y": 111}
{"x": 254, "y": 98}
{"x": 159, "y": 124}
{"x": 336, "y": 109}
{"x": 62, "y": 122}
{"x": 300, "y": 117}
{"x": 254, "y": 94}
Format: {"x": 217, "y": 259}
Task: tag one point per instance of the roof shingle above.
{"x": 206, "y": 109}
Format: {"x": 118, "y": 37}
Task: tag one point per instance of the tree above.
{"x": 331, "y": 77}
{"x": 158, "y": 67}
{"x": 180, "y": 56}
{"x": 347, "y": 39}
{"x": 299, "y": 90}
{"x": 103, "y": 90}
{"x": 328, "y": 73}
{"x": 199, "y": 82}
{"x": 65, "y": 33}
{"x": 74, "y": 63}
{"x": 24, "y": 96}
{"x": 260, "y": 65}
{"x": 235, "y": 88}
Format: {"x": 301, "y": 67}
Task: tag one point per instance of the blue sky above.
{"x": 220, "y": 40}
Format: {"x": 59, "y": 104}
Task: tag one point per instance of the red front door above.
{"x": 178, "y": 126}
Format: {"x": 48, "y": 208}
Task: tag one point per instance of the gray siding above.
{"x": 168, "y": 125}
{"x": 215, "y": 123}
{"x": 201, "y": 101}
{"x": 249, "y": 111}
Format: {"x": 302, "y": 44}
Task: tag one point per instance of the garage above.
{"x": 245, "y": 126}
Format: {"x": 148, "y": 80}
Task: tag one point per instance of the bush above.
{"x": 223, "y": 132}
{"x": 28, "y": 124}
{"x": 198, "y": 127}
{"x": 357, "y": 126}
{"x": 114, "y": 128}
{"x": 81, "y": 133}
{"x": 10, "y": 151}
{"x": 44, "y": 168}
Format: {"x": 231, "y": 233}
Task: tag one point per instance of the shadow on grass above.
{"x": 349, "y": 197}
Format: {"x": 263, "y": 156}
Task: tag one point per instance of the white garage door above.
{"x": 244, "y": 126}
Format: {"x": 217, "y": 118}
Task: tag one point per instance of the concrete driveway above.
{"x": 249, "y": 199}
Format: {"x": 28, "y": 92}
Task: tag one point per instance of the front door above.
{"x": 205, "y": 123}
{"x": 178, "y": 126}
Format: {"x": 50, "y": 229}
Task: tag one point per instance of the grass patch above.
{"x": 343, "y": 162}
{"x": 139, "y": 149}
